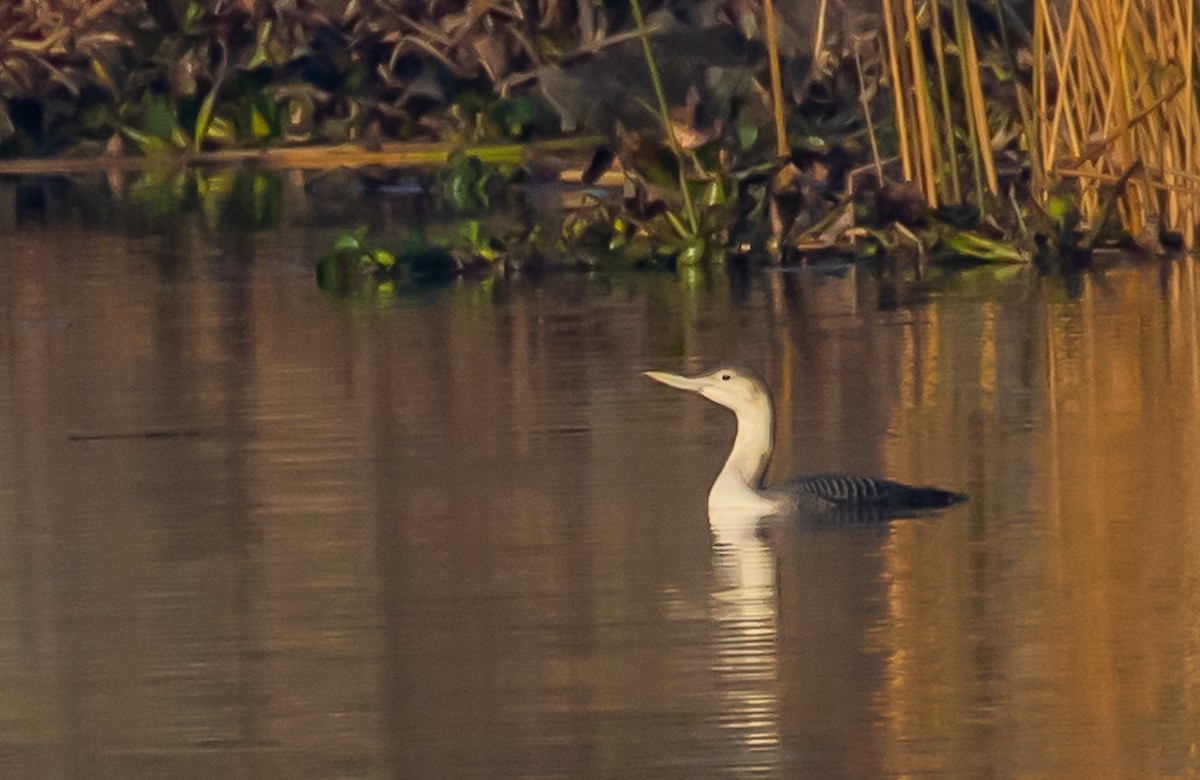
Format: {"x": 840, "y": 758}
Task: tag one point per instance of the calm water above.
{"x": 247, "y": 530}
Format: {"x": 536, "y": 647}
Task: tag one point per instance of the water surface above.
{"x": 249, "y": 530}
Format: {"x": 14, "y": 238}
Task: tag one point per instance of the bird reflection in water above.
{"x": 746, "y": 519}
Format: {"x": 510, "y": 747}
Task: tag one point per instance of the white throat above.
{"x": 738, "y": 483}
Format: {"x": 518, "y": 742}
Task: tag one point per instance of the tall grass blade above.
{"x": 939, "y": 56}
{"x": 976, "y": 109}
{"x": 689, "y": 208}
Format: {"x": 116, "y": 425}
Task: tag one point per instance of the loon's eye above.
{"x": 725, "y": 377}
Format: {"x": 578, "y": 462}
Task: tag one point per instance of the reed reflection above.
{"x": 461, "y": 535}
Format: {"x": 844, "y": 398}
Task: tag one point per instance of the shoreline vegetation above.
{"x": 411, "y": 154}
{"x": 979, "y": 131}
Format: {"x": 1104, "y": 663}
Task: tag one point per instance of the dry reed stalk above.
{"x": 899, "y": 88}
{"x": 920, "y": 83}
{"x": 1188, "y": 35}
{"x": 866, "y": 107}
{"x": 781, "y": 143}
{"x": 975, "y": 104}
{"x": 925, "y": 123}
{"x": 1124, "y": 72}
{"x": 819, "y": 36}
{"x": 1061, "y": 70}
{"x": 978, "y": 139}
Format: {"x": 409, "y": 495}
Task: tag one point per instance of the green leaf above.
{"x": 677, "y": 226}
{"x": 221, "y": 131}
{"x": 1058, "y": 206}
{"x": 158, "y": 117}
{"x": 260, "y": 128}
{"x": 179, "y": 138}
{"x": 260, "y": 51}
{"x": 968, "y": 244}
{"x": 747, "y": 134}
{"x": 383, "y": 258}
{"x": 352, "y": 241}
{"x": 692, "y": 254}
{"x": 102, "y": 75}
{"x": 149, "y": 145}
{"x": 714, "y": 193}
{"x": 204, "y": 118}
{"x": 191, "y": 16}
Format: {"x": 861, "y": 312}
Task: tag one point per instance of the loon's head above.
{"x": 735, "y": 388}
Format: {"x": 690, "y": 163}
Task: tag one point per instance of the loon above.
{"x": 739, "y": 485}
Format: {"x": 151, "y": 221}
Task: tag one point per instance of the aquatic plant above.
{"x": 937, "y": 128}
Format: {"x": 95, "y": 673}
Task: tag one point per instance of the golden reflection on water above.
{"x": 1051, "y": 627}
{"x": 464, "y": 537}
{"x": 1088, "y": 636}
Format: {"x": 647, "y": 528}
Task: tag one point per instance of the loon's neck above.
{"x": 740, "y": 479}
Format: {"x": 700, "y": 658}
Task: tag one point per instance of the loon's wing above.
{"x": 842, "y": 490}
